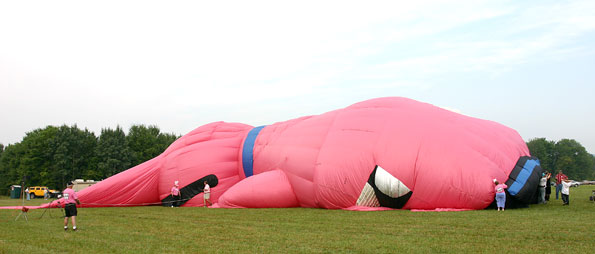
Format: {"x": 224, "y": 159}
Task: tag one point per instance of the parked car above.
{"x": 38, "y": 191}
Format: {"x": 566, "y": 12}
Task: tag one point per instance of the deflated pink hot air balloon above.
{"x": 377, "y": 154}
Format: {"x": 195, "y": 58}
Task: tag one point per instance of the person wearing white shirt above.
{"x": 566, "y": 192}
{"x": 542, "y": 183}
{"x": 207, "y": 194}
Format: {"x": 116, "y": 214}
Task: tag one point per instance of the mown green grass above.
{"x": 549, "y": 228}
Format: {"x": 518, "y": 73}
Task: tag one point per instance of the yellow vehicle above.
{"x": 39, "y": 191}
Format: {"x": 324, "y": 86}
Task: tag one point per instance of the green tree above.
{"x": 58, "y": 154}
{"x": 544, "y": 150}
{"x": 37, "y": 161}
{"x": 113, "y": 154}
{"x": 2, "y": 171}
{"x": 9, "y": 163}
{"x": 573, "y": 159}
{"x": 146, "y": 143}
{"x": 73, "y": 151}
{"x": 592, "y": 167}
{"x": 54, "y": 155}
{"x": 29, "y": 160}
{"x": 567, "y": 155}
{"x": 50, "y": 156}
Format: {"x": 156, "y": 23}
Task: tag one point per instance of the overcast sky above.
{"x": 529, "y": 65}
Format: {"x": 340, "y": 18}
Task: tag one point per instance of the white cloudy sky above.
{"x": 181, "y": 64}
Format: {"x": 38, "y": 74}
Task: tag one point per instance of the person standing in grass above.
{"x": 500, "y": 195}
{"x": 70, "y": 200}
{"x": 548, "y": 186}
{"x": 565, "y": 192}
{"x": 559, "y": 178}
{"x": 207, "y": 194}
{"x": 176, "y": 195}
{"x": 542, "y": 183}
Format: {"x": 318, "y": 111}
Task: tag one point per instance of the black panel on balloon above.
{"x": 191, "y": 190}
{"x": 385, "y": 200}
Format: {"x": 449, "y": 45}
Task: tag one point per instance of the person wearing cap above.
{"x": 542, "y": 183}
{"x": 175, "y": 194}
{"x": 70, "y": 200}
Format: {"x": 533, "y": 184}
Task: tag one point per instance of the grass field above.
{"x": 550, "y": 228}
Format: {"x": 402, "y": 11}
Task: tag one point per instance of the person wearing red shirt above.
{"x": 559, "y": 178}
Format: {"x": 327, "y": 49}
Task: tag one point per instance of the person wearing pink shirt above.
{"x": 70, "y": 200}
{"x": 175, "y": 193}
{"x": 500, "y": 194}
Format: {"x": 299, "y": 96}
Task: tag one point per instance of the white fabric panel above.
{"x": 388, "y": 184}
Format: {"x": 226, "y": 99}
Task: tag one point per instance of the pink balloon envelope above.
{"x": 381, "y": 153}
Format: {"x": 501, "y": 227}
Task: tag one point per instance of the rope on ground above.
{"x": 137, "y": 204}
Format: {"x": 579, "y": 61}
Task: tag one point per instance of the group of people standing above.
{"x": 176, "y": 194}
{"x": 70, "y": 199}
{"x": 562, "y": 187}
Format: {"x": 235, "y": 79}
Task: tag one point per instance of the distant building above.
{"x": 80, "y": 184}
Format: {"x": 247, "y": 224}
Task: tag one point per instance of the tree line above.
{"x": 54, "y": 155}
{"x": 567, "y": 155}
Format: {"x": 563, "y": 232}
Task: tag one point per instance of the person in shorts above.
{"x": 70, "y": 200}
{"x": 207, "y": 194}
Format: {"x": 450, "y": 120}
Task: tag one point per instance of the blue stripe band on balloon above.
{"x": 247, "y": 151}
{"x": 521, "y": 179}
